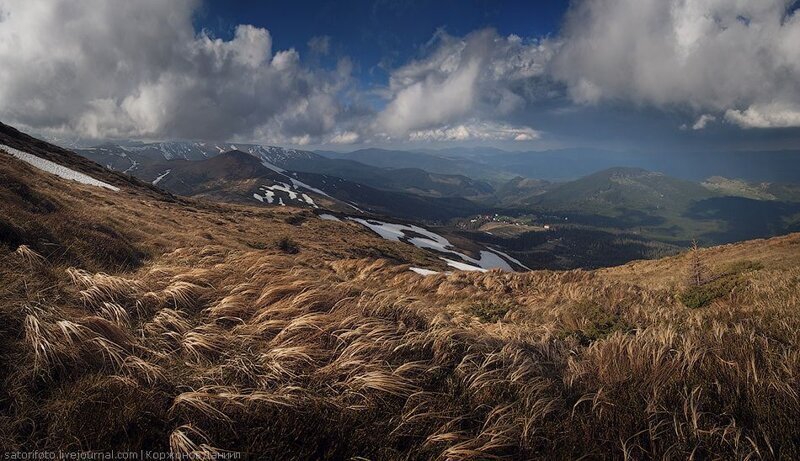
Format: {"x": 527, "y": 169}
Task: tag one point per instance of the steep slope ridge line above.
{"x": 56, "y": 169}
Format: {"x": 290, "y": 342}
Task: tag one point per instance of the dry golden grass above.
{"x": 214, "y": 343}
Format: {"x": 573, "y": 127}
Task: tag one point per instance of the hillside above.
{"x": 397, "y": 159}
{"x": 412, "y": 180}
{"x": 236, "y": 177}
{"x": 133, "y": 320}
{"x": 185, "y": 175}
{"x": 666, "y": 209}
{"x": 15, "y": 139}
{"x": 757, "y": 191}
{"x": 613, "y": 190}
{"x": 776, "y": 254}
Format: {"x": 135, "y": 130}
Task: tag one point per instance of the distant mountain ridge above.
{"x": 185, "y": 150}
{"x": 572, "y": 163}
{"x": 274, "y": 176}
{"x": 634, "y": 199}
{"x": 386, "y": 158}
{"x": 138, "y": 158}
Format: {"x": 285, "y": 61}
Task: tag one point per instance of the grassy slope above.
{"x": 774, "y": 254}
{"x": 216, "y": 336}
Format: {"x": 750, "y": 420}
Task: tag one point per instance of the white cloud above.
{"x": 432, "y": 100}
{"x": 475, "y": 131}
{"x": 100, "y": 68}
{"x": 347, "y": 137}
{"x": 774, "y": 115}
{"x": 481, "y": 76}
{"x": 137, "y": 69}
{"x": 735, "y": 57}
{"x": 702, "y": 121}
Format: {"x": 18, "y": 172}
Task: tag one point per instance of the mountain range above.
{"x": 780, "y": 166}
{"x": 637, "y": 212}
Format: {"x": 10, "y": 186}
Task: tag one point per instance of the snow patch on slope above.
{"x": 296, "y": 183}
{"x": 161, "y": 176}
{"x": 511, "y": 258}
{"x": 462, "y": 266}
{"x": 56, "y": 169}
{"x": 411, "y": 234}
{"x": 133, "y": 166}
{"x": 290, "y": 191}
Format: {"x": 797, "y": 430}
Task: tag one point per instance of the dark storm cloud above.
{"x": 137, "y": 69}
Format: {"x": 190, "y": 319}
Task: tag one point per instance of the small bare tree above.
{"x": 697, "y": 270}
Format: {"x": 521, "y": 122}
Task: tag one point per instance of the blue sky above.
{"x": 653, "y": 75}
{"x": 380, "y": 34}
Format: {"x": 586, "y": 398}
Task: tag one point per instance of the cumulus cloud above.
{"x": 101, "y": 68}
{"x": 775, "y": 115}
{"x": 736, "y": 57}
{"x": 482, "y": 76}
{"x": 729, "y": 60}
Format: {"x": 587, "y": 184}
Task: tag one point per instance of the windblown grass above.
{"x": 363, "y": 358}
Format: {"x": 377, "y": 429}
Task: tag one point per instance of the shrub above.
{"x": 719, "y": 286}
{"x": 489, "y": 312}
{"x": 596, "y": 323}
{"x": 295, "y": 219}
{"x": 740, "y": 267}
{"x": 287, "y": 245}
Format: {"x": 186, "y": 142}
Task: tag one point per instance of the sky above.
{"x": 521, "y": 75}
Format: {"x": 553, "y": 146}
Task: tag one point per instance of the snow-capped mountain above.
{"x": 131, "y": 157}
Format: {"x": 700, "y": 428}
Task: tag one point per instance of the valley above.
{"x": 605, "y": 218}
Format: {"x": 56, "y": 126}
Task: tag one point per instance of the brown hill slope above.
{"x": 16, "y": 139}
{"x": 284, "y": 336}
{"x": 777, "y": 253}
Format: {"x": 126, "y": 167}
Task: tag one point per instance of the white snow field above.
{"x": 510, "y": 258}
{"x": 56, "y": 169}
{"x": 432, "y": 241}
{"x": 292, "y": 194}
{"x": 462, "y": 266}
{"x": 295, "y": 182}
{"x": 329, "y": 217}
